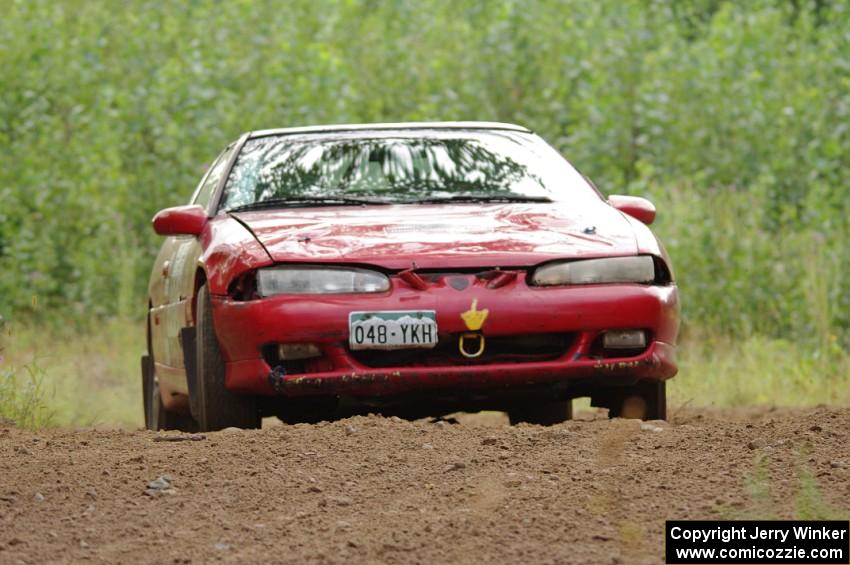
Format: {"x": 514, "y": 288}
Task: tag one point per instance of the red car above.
{"x": 416, "y": 269}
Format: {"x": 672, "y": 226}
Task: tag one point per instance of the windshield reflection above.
{"x": 394, "y": 168}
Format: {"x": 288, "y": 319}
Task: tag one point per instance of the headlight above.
{"x": 639, "y": 269}
{"x": 319, "y": 280}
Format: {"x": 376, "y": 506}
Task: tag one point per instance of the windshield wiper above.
{"x": 480, "y": 198}
{"x": 305, "y": 202}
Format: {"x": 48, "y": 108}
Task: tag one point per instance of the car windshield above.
{"x": 399, "y": 167}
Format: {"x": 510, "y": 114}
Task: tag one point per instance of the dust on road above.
{"x": 374, "y": 489}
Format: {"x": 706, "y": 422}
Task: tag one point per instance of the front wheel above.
{"x": 541, "y": 413}
{"x": 646, "y": 400}
{"x": 213, "y": 406}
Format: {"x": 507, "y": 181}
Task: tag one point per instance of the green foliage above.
{"x": 742, "y": 277}
{"x": 74, "y": 378}
{"x": 758, "y": 487}
{"x": 733, "y": 116}
{"x": 809, "y": 502}
{"x": 23, "y": 399}
{"x": 724, "y": 371}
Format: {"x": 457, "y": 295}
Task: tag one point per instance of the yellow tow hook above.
{"x": 461, "y": 344}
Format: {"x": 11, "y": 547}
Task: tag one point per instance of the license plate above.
{"x": 392, "y": 330}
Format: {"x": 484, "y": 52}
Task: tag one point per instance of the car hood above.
{"x": 443, "y": 236}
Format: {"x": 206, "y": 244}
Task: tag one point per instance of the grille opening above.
{"x": 483, "y": 275}
{"x": 271, "y": 355}
{"x": 499, "y": 349}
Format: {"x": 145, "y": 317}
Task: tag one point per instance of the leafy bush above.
{"x": 732, "y": 115}
{"x": 22, "y": 397}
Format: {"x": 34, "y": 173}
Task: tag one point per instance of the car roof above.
{"x": 390, "y": 126}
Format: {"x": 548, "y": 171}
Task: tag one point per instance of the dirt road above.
{"x": 373, "y": 489}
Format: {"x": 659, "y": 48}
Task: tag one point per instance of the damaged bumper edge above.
{"x": 657, "y": 363}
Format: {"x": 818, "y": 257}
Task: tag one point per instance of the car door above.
{"x": 174, "y": 276}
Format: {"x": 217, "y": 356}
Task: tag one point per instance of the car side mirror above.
{"x": 635, "y": 206}
{"x": 180, "y": 220}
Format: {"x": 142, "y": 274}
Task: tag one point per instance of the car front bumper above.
{"x": 581, "y": 314}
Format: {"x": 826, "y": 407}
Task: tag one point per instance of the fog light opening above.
{"x": 624, "y": 339}
{"x": 296, "y": 351}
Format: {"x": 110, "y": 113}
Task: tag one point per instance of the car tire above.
{"x": 647, "y": 400}
{"x": 541, "y": 414}
{"x": 156, "y": 416}
{"x": 213, "y": 406}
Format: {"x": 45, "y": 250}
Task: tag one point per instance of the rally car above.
{"x": 418, "y": 268}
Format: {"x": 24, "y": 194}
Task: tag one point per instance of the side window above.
{"x": 204, "y": 192}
